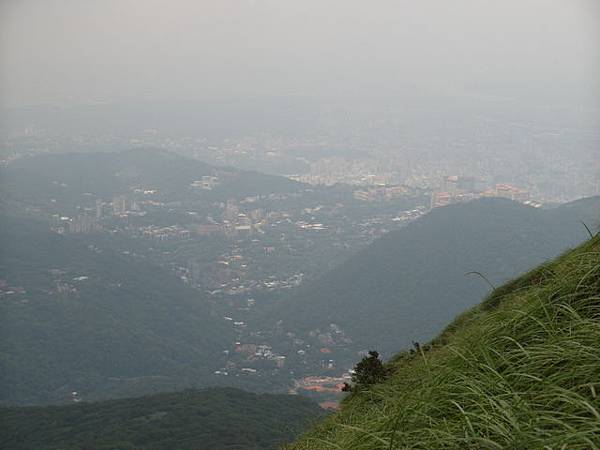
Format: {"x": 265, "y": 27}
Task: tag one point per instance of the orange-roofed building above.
{"x": 331, "y": 406}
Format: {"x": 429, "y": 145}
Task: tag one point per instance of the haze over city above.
{"x": 70, "y": 52}
{"x": 224, "y": 220}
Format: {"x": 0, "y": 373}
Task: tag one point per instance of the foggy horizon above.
{"x": 299, "y": 224}
{"x": 66, "y": 52}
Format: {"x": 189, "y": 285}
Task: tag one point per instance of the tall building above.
{"x": 119, "y": 205}
{"x": 99, "y": 209}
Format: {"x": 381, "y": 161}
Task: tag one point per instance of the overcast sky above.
{"x": 80, "y": 51}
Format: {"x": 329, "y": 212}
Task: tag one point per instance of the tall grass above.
{"x": 521, "y": 371}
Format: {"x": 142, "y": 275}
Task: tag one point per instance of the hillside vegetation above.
{"x": 519, "y": 371}
{"x": 66, "y": 180}
{"x": 213, "y": 419}
{"x": 80, "y": 316}
{"x": 411, "y": 282}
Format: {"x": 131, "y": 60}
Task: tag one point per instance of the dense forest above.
{"x": 82, "y": 317}
{"x": 212, "y": 419}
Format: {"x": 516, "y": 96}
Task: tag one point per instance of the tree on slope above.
{"x": 369, "y": 370}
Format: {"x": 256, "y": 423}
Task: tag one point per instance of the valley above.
{"x": 271, "y": 285}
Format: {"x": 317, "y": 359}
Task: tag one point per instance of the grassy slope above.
{"x": 519, "y": 371}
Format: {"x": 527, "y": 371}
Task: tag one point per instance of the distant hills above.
{"x": 213, "y": 419}
{"x": 518, "y": 371}
{"x": 66, "y": 178}
{"x": 80, "y": 316}
{"x": 411, "y": 282}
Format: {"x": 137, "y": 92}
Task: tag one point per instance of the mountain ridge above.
{"x": 65, "y": 178}
{"x": 389, "y": 294}
{"x": 519, "y": 370}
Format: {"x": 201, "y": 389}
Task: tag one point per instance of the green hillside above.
{"x": 519, "y": 371}
{"x": 68, "y": 179}
{"x": 213, "y": 419}
{"x": 411, "y": 282}
{"x": 76, "y": 315}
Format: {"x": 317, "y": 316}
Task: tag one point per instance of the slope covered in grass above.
{"x": 519, "y": 371}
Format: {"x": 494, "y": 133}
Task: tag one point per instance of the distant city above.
{"x": 549, "y": 161}
{"x": 246, "y": 251}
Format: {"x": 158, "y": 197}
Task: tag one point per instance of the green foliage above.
{"x": 129, "y": 328}
{"x": 520, "y": 371}
{"x": 369, "y": 370}
{"x": 410, "y": 283}
{"x": 214, "y": 419}
{"x": 65, "y": 179}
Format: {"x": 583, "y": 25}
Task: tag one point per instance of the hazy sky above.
{"x": 78, "y": 51}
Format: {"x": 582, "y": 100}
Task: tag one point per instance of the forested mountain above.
{"x": 75, "y": 316}
{"x": 65, "y": 179}
{"x": 518, "y": 371}
{"x": 212, "y": 419}
{"x": 408, "y": 284}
